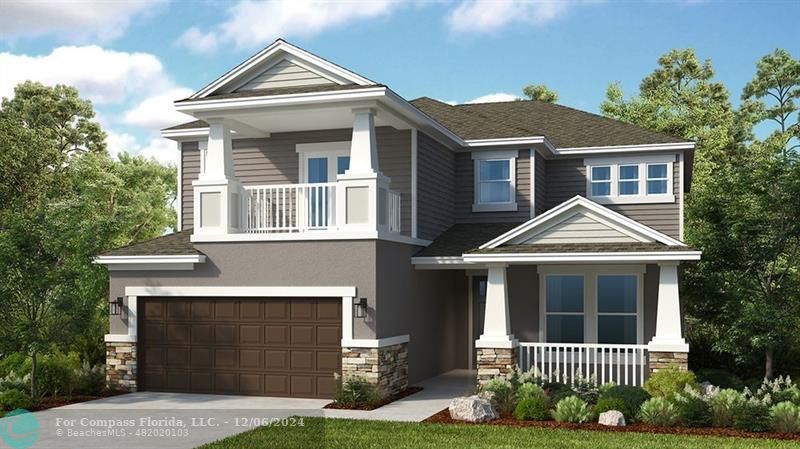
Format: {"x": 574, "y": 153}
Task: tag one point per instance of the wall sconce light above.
{"x": 115, "y": 306}
{"x": 360, "y": 307}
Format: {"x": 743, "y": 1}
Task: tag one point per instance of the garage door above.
{"x": 265, "y": 346}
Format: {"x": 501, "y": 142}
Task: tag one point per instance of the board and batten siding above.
{"x": 566, "y": 178}
{"x": 540, "y": 191}
{"x": 285, "y": 74}
{"x": 435, "y": 187}
{"x": 274, "y": 160}
{"x": 465, "y": 192}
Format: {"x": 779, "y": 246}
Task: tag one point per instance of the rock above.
{"x": 612, "y": 418}
{"x": 472, "y": 409}
{"x": 708, "y": 390}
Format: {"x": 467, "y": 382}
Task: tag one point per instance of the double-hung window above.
{"x": 630, "y": 179}
{"x": 617, "y": 307}
{"x": 495, "y": 173}
{"x": 564, "y": 308}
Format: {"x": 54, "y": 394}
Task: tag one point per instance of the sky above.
{"x": 133, "y": 58}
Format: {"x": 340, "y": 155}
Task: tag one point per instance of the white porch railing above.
{"x": 559, "y": 362}
{"x": 290, "y": 207}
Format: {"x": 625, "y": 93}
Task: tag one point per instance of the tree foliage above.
{"x": 63, "y": 200}
{"x": 540, "y": 92}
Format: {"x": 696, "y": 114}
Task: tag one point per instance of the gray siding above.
{"x": 274, "y": 160}
{"x": 431, "y": 306}
{"x": 541, "y": 185}
{"x": 567, "y": 177}
{"x": 465, "y": 192}
{"x": 435, "y": 187}
{"x": 285, "y": 74}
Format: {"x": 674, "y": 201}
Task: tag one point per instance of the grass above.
{"x": 354, "y": 434}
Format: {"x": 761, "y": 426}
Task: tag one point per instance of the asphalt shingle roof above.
{"x": 461, "y": 238}
{"x": 176, "y": 244}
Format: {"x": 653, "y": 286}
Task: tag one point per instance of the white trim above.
{"x": 310, "y": 236}
{"x": 626, "y": 148}
{"x": 234, "y": 291}
{"x": 119, "y": 338}
{"x": 375, "y": 343}
{"x": 617, "y": 220}
{"x": 280, "y": 100}
{"x": 532, "y": 182}
{"x": 681, "y": 195}
{"x": 650, "y": 256}
{"x": 438, "y": 260}
{"x": 494, "y": 155}
{"x": 184, "y": 133}
{"x": 347, "y": 317}
{"x": 178, "y": 203}
{"x": 470, "y": 322}
{"x": 478, "y": 143}
{"x": 127, "y": 263}
{"x": 330, "y": 150}
{"x": 641, "y": 162}
{"x": 271, "y": 50}
{"x": 511, "y": 157}
{"x": 414, "y": 181}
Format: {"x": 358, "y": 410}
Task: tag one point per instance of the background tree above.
{"x": 540, "y": 92}
{"x": 63, "y": 200}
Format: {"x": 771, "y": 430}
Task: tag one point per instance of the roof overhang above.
{"x": 601, "y": 257}
{"x": 157, "y": 263}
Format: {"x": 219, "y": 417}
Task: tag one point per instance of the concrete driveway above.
{"x": 177, "y": 420}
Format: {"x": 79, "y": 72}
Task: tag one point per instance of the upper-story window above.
{"x": 627, "y": 180}
{"x": 495, "y": 180}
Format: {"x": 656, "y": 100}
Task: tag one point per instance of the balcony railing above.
{"x": 560, "y": 362}
{"x": 284, "y": 208}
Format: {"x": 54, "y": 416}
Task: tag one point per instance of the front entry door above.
{"x": 478, "y": 311}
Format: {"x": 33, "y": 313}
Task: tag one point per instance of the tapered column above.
{"x": 496, "y": 348}
{"x": 363, "y": 146}
{"x": 668, "y": 348}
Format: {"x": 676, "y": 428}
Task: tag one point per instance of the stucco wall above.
{"x": 324, "y": 263}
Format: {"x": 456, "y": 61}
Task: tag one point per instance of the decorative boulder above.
{"x": 708, "y": 390}
{"x": 612, "y": 418}
{"x": 472, "y": 409}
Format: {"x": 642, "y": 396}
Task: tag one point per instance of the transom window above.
{"x": 641, "y": 179}
{"x": 494, "y": 181}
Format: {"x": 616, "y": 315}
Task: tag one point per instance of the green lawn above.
{"x": 353, "y": 434}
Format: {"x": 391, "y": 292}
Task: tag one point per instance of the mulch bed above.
{"x": 443, "y": 417}
{"x": 61, "y": 401}
{"x": 387, "y": 400}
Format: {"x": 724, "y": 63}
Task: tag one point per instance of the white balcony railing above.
{"x": 559, "y": 362}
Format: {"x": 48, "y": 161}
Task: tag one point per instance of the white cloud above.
{"x": 487, "y": 16}
{"x": 251, "y": 23}
{"x": 104, "y": 76}
{"x": 495, "y": 98}
{"x": 162, "y": 150}
{"x": 157, "y": 111}
{"x": 75, "y": 20}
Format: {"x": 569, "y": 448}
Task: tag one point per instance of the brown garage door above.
{"x": 264, "y": 346}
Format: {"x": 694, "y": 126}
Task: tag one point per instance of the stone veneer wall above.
{"x": 121, "y": 366}
{"x": 494, "y": 362}
{"x": 386, "y": 368}
{"x": 662, "y": 360}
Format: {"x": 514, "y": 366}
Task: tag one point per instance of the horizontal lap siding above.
{"x": 567, "y": 178}
{"x": 465, "y": 192}
{"x": 274, "y": 160}
{"x": 540, "y": 192}
{"x": 435, "y": 187}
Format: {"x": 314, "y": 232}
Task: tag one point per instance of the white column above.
{"x": 219, "y": 153}
{"x": 363, "y": 146}
{"x": 497, "y": 322}
{"x": 668, "y": 337}
{"x": 132, "y": 317}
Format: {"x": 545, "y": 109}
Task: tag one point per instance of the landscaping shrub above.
{"x": 13, "y": 362}
{"x": 658, "y": 411}
{"x": 557, "y": 391}
{"x": 532, "y": 376}
{"x": 572, "y": 409}
{"x": 668, "y": 382}
{"x": 724, "y": 406}
{"x": 502, "y": 394}
{"x": 780, "y": 389}
{"x": 607, "y": 404}
{"x": 752, "y": 416}
{"x": 602, "y": 389}
{"x": 693, "y": 411}
{"x": 530, "y": 391}
{"x": 719, "y": 378}
{"x": 785, "y": 417}
{"x": 355, "y": 392}
{"x": 13, "y": 399}
{"x": 632, "y": 397}
{"x": 14, "y": 381}
{"x": 586, "y": 388}
{"x": 532, "y": 409}
{"x": 90, "y": 380}
{"x": 56, "y": 373}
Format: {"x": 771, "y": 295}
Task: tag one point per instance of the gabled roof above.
{"x": 580, "y": 205}
{"x": 280, "y": 91}
{"x": 175, "y": 244}
{"x": 274, "y": 54}
{"x": 563, "y": 126}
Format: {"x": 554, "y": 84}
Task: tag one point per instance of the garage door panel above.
{"x": 264, "y": 346}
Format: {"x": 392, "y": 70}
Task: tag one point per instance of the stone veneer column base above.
{"x": 386, "y": 368}
{"x": 662, "y": 360}
{"x": 493, "y": 362}
{"x": 121, "y": 366}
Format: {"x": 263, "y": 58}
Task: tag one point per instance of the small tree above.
{"x": 540, "y": 92}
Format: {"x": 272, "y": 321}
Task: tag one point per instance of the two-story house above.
{"x": 328, "y": 225}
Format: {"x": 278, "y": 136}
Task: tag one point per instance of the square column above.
{"x": 218, "y": 195}
{"x": 496, "y": 347}
{"x": 668, "y": 347}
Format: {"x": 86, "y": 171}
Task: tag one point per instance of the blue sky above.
{"x": 132, "y": 58}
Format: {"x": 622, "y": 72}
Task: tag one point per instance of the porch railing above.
{"x": 560, "y": 362}
{"x": 290, "y": 207}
